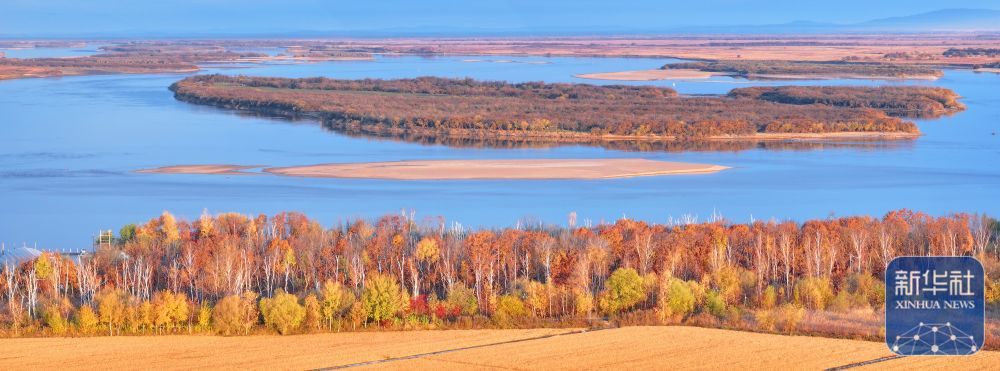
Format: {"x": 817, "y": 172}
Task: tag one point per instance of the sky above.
{"x": 134, "y": 17}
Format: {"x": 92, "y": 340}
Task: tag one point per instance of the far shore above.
{"x": 466, "y": 169}
{"x": 690, "y": 74}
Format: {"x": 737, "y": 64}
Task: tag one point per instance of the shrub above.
{"x": 86, "y": 319}
{"x": 867, "y": 289}
{"x": 314, "y": 317}
{"x": 54, "y": 320}
{"x": 788, "y": 316}
{"x": 813, "y": 292}
{"x": 357, "y": 314}
{"x": 464, "y": 298}
{"x": 204, "y": 317}
{"x": 509, "y": 309}
{"x": 675, "y": 300}
{"x": 111, "y": 309}
{"x": 623, "y": 290}
{"x": 769, "y": 298}
{"x": 235, "y": 314}
{"x": 583, "y": 301}
{"x": 336, "y": 300}
{"x": 715, "y": 304}
{"x": 764, "y": 319}
{"x": 382, "y": 298}
{"x": 282, "y": 312}
{"x": 992, "y": 291}
{"x": 536, "y": 297}
{"x": 728, "y": 284}
{"x": 169, "y": 309}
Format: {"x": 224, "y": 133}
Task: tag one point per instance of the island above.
{"x": 792, "y": 70}
{"x": 555, "y": 112}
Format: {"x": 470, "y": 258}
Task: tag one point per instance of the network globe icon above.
{"x": 934, "y": 339}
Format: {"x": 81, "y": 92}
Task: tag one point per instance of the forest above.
{"x": 489, "y": 108}
{"x": 763, "y": 68}
{"x": 235, "y": 274}
{"x": 899, "y": 101}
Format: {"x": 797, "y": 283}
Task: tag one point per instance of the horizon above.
{"x": 309, "y": 18}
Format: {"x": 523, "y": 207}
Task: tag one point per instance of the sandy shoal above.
{"x": 648, "y": 75}
{"x": 201, "y": 169}
{"x": 498, "y": 169}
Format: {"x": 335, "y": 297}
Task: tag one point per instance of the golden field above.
{"x": 672, "y": 347}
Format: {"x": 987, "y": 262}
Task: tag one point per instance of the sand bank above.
{"x": 648, "y": 75}
{"x": 498, "y": 169}
{"x": 201, "y": 169}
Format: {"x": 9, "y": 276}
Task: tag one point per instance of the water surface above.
{"x": 69, "y": 146}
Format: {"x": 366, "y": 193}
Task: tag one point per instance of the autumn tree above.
{"x": 282, "y": 312}
{"x": 382, "y": 298}
{"x": 624, "y": 289}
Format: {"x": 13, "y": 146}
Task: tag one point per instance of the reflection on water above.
{"x": 625, "y": 145}
{"x": 628, "y": 145}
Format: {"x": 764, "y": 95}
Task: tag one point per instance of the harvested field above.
{"x": 241, "y": 352}
{"x": 679, "y": 347}
{"x": 499, "y": 169}
{"x": 673, "y": 347}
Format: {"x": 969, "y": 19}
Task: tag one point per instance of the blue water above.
{"x": 69, "y": 146}
{"x": 88, "y": 49}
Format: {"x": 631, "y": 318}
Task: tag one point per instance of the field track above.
{"x": 672, "y": 347}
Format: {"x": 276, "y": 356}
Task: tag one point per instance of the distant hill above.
{"x": 939, "y": 20}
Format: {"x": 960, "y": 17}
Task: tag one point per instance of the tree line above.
{"x": 237, "y": 274}
{"x": 900, "y": 101}
{"x": 751, "y": 68}
{"x": 476, "y": 108}
{"x": 972, "y": 52}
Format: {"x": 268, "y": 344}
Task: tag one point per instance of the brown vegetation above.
{"x": 553, "y": 111}
{"x": 900, "y": 101}
{"x": 777, "y": 69}
{"x": 965, "y": 52}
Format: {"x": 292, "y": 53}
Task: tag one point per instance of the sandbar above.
{"x": 649, "y": 75}
{"x": 219, "y": 169}
{"x": 498, "y": 169}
